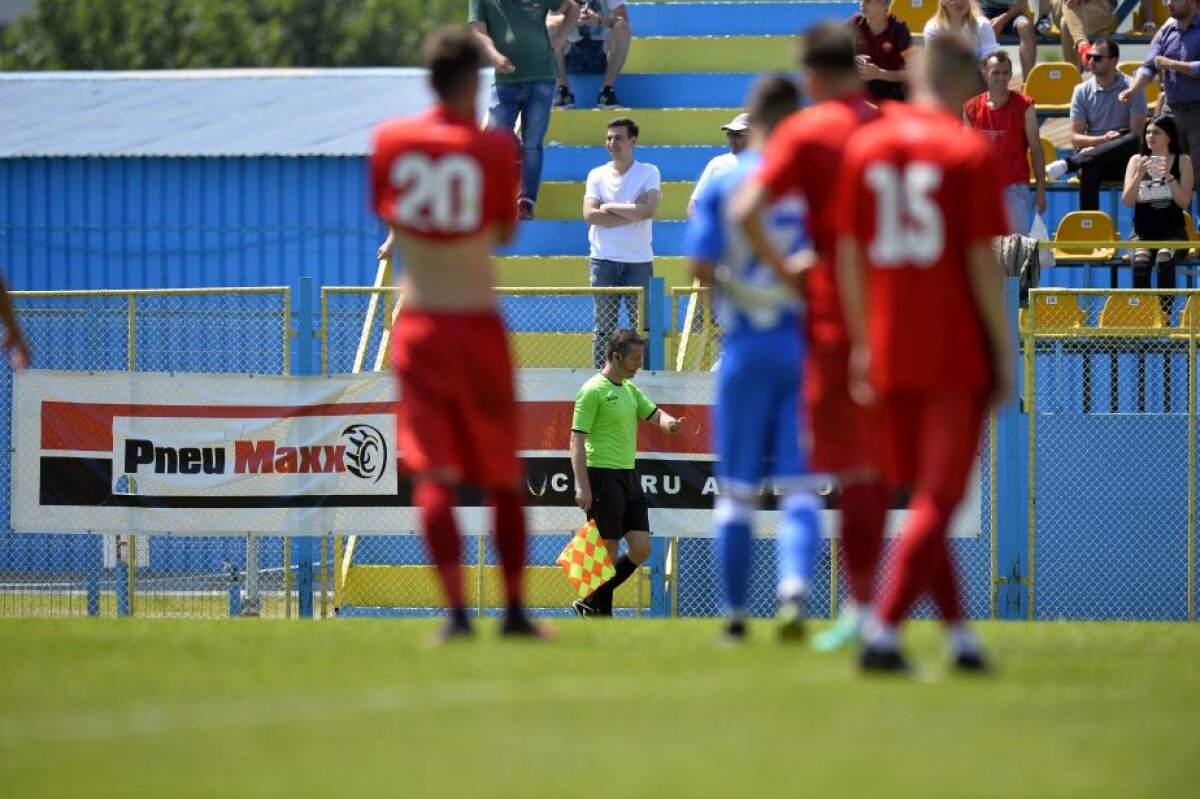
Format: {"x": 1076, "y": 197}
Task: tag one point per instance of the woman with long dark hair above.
{"x": 1158, "y": 187}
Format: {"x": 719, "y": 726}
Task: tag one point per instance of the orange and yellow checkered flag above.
{"x": 586, "y": 561}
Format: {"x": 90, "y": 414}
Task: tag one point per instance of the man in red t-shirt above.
{"x": 1008, "y": 120}
{"x": 803, "y": 157}
{"x": 914, "y": 226}
{"x": 448, "y": 193}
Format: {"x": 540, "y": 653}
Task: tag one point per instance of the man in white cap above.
{"x": 737, "y": 134}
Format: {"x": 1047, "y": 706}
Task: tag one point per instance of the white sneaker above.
{"x": 1056, "y": 169}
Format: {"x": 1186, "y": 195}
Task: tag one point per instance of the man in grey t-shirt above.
{"x": 1104, "y": 131}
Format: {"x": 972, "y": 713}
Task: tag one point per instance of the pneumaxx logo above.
{"x": 361, "y": 450}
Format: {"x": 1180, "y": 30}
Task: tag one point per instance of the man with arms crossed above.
{"x": 604, "y": 459}
{"x": 447, "y": 191}
{"x": 803, "y": 156}
{"x": 757, "y": 406}
{"x": 915, "y": 219}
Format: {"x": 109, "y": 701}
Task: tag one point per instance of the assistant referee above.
{"x": 603, "y": 459}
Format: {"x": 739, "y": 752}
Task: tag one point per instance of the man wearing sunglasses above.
{"x": 1105, "y": 132}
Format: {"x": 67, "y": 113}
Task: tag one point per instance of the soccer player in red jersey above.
{"x": 448, "y": 192}
{"x": 918, "y": 205}
{"x": 803, "y": 156}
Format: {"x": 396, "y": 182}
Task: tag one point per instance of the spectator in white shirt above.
{"x": 737, "y": 133}
{"x": 964, "y": 19}
{"x": 619, "y": 203}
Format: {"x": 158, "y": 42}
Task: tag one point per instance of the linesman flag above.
{"x": 586, "y": 561}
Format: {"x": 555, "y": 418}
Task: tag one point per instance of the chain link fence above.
{"x": 1111, "y": 384}
{"x": 204, "y": 330}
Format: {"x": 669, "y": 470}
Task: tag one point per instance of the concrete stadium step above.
{"x": 731, "y": 18}
{"x": 656, "y": 89}
{"x": 553, "y": 237}
{"x": 674, "y": 163}
{"x": 657, "y": 125}
{"x": 712, "y": 54}
{"x": 517, "y": 271}
{"x": 561, "y": 200}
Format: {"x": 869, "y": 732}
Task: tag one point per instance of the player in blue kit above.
{"x": 757, "y": 410}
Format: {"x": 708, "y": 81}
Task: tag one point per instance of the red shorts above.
{"x": 845, "y": 435}
{"x": 930, "y": 440}
{"x": 457, "y": 409}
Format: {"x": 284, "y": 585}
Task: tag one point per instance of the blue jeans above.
{"x": 608, "y": 274}
{"x": 531, "y": 100}
{"x": 1018, "y": 205}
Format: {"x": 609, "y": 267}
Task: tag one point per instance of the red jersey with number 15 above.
{"x": 803, "y": 156}
{"x": 436, "y": 175}
{"x": 917, "y": 189}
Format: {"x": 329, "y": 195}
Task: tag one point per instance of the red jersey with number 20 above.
{"x": 436, "y": 175}
{"x": 917, "y": 189}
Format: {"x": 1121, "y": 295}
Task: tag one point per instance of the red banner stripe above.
{"x": 87, "y": 427}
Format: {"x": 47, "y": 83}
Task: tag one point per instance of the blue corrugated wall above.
{"x": 93, "y": 223}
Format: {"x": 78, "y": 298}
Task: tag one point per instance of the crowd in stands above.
{"x": 1115, "y": 137}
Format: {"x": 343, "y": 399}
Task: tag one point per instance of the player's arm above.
{"x": 852, "y": 281}
{"x": 583, "y": 486}
{"x": 987, "y": 288}
{"x": 645, "y": 207}
{"x": 385, "y": 250}
{"x": 14, "y": 339}
{"x": 593, "y": 215}
{"x": 746, "y": 211}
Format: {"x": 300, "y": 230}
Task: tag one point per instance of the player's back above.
{"x": 449, "y": 191}
{"x": 917, "y": 193}
{"x": 804, "y": 155}
{"x": 749, "y": 295}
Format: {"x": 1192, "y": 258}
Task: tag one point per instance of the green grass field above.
{"x": 357, "y": 708}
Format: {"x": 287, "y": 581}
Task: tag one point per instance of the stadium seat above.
{"x": 1050, "y": 85}
{"x": 1049, "y": 153}
{"x": 914, "y": 13}
{"x": 1130, "y": 68}
{"x": 1085, "y": 226}
{"x": 1162, "y": 13}
{"x": 1055, "y": 313}
{"x": 1189, "y": 322}
{"x": 1125, "y": 311}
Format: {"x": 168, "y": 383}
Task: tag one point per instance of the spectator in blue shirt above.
{"x": 1175, "y": 56}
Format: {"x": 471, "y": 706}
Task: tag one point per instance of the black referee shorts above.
{"x": 618, "y": 504}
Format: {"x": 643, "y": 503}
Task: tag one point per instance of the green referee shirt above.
{"x": 608, "y": 413}
{"x": 518, "y": 29}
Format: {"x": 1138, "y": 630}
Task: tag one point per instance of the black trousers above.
{"x": 1106, "y": 161}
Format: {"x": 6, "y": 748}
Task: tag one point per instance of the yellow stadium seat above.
{"x": 1085, "y": 226}
{"x": 1130, "y": 68}
{"x": 1048, "y": 154}
{"x": 914, "y": 13}
{"x": 1129, "y": 310}
{"x": 1054, "y": 312}
{"x": 1050, "y": 84}
{"x": 1162, "y": 13}
{"x": 1189, "y": 322}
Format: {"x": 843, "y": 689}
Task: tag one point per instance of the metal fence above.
{"x": 1110, "y": 390}
{"x": 1110, "y": 385}
{"x": 235, "y": 330}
